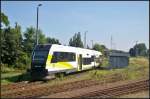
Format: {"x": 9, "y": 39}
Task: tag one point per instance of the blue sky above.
{"x": 126, "y": 21}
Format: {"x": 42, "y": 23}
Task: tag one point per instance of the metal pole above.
{"x": 37, "y": 27}
{"x": 136, "y": 53}
{"x": 92, "y": 43}
{"x": 37, "y": 23}
{"x": 85, "y": 39}
{"x": 111, "y": 42}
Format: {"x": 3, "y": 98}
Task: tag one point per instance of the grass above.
{"x": 142, "y": 94}
{"x": 105, "y": 62}
{"x": 14, "y": 77}
{"x": 138, "y": 68}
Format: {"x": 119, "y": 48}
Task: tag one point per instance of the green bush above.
{"x": 23, "y": 61}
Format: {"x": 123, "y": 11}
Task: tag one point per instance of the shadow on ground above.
{"x": 18, "y": 78}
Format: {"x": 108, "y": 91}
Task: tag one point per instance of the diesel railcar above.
{"x": 49, "y": 59}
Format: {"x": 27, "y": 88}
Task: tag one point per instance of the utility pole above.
{"x": 37, "y": 23}
{"x": 85, "y": 39}
{"x": 136, "y": 50}
{"x": 111, "y": 42}
{"x": 92, "y": 43}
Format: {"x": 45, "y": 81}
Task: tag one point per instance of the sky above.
{"x": 126, "y": 21}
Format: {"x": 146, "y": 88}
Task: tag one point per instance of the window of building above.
{"x": 63, "y": 57}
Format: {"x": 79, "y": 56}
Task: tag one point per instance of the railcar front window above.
{"x": 39, "y": 55}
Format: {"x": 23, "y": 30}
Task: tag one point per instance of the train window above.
{"x": 63, "y": 57}
{"x": 92, "y": 58}
{"x": 86, "y": 61}
{"x": 40, "y": 55}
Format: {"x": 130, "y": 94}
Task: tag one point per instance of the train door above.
{"x": 80, "y": 62}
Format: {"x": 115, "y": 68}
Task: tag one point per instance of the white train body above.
{"x": 58, "y": 58}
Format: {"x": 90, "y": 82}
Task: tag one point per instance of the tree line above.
{"x": 139, "y": 50}
{"x": 16, "y": 46}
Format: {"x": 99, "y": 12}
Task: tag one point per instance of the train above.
{"x": 52, "y": 59}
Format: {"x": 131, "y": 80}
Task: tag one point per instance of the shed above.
{"x": 118, "y": 59}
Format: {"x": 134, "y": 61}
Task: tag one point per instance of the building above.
{"x": 118, "y": 59}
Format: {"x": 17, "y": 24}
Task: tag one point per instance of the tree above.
{"x": 52, "y": 41}
{"x": 97, "y": 47}
{"x": 148, "y": 52}
{"x": 21, "y": 56}
{"x": 141, "y": 48}
{"x": 76, "y": 40}
{"x": 4, "y": 19}
{"x": 30, "y": 39}
{"x": 11, "y": 46}
{"x": 15, "y": 49}
{"x": 138, "y": 50}
{"x": 9, "y": 49}
{"x": 132, "y": 52}
{"x": 42, "y": 38}
{"x": 101, "y": 48}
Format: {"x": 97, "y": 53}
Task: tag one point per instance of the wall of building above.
{"x": 118, "y": 59}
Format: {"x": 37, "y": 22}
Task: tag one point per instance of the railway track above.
{"x": 119, "y": 90}
{"x": 39, "y": 89}
{"x": 19, "y": 85}
{"x": 23, "y": 84}
{"x": 107, "y": 91}
{"x": 46, "y": 89}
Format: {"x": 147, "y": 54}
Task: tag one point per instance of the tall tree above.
{"x": 132, "y": 52}
{"x": 11, "y": 46}
{"x": 4, "y": 19}
{"x": 148, "y": 52}
{"x": 138, "y": 50}
{"x": 4, "y": 22}
{"x": 52, "y": 41}
{"x": 101, "y": 48}
{"x": 97, "y": 47}
{"x": 21, "y": 56}
{"x": 30, "y": 39}
{"x": 76, "y": 40}
{"x": 42, "y": 38}
{"x": 141, "y": 49}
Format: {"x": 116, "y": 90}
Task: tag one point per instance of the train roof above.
{"x": 72, "y": 48}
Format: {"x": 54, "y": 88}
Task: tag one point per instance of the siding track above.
{"x": 107, "y": 91}
{"x": 79, "y": 89}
